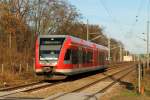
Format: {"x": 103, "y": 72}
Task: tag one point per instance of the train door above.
{"x": 95, "y": 57}
{"x": 89, "y": 56}
{"x": 106, "y": 58}
{"x": 68, "y": 58}
{"x": 74, "y": 55}
{"x": 84, "y": 57}
{"x": 102, "y": 58}
{"x": 80, "y": 54}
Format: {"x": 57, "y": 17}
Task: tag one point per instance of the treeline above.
{"x": 21, "y": 20}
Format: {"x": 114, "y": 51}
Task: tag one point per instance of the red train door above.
{"x": 74, "y": 55}
{"x": 80, "y": 54}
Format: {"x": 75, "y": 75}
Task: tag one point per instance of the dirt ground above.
{"x": 118, "y": 88}
{"x": 127, "y": 90}
{"x": 9, "y": 79}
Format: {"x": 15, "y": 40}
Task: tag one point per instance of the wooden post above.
{"x": 139, "y": 78}
{"x": 34, "y": 64}
{"x": 27, "y": 67}
{"x": 2, "y": 68}
{"x": 142, "y": 70}
{"x": 20, "y": 68}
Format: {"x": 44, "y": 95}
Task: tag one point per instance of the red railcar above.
{"x": 68, "y": 55}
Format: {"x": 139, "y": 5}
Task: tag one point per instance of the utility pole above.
{"x": 148, "y": 44}
{"x": 139, "y": 78}
{"x": 87, "y": 27}
{"x": 120, "y": 53}
{"x": 38, "y": 17}
{"x": 126, "y": 53}
{"x": 109, "y": 49}
{"x": 148, "y": 33}
{"x": 10, "y": 41}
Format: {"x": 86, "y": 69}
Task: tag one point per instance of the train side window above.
{"x": 67, "y": 58}
{"x": 106, "y": 58}
{"x": 89, "y": 56}
{"x": 97, "y": 57}
{"x": 84, "y": 57}
{"x": 80, "y": 54}
{"x": 101, "y": 57}
{"x": 74, "y": 56}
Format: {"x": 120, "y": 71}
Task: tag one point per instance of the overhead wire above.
{"x": 137, "y": 15}
{"x": 109, "y": 12}
{"x": 146, "y": 19}
{"x": 135, "y": 19}
{"x": 104, "y": 6}
{"x": 116, "y": 22}
{"x": 148, "y": 10}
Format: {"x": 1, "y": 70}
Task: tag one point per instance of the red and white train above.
{"x": 68, "y": 55}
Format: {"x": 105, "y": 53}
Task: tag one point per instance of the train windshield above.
{"x": 50, "y": 48}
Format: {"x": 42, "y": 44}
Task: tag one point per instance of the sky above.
{"x": 124, "y": 20}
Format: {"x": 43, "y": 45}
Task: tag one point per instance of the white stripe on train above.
{"x": 75, "y": 70}
{"x": 79, "y": 70}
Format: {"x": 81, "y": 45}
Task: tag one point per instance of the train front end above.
{"x": 47, "y": 52}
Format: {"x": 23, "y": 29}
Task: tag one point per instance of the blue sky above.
{"x": 124, "y": 20}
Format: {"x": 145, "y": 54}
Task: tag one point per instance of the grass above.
{"x": 127, "y": 94}
{"x": 9, "y": 78}
{"x": 130, "y": 95}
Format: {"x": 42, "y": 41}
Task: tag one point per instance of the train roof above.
{"x": 46, "y": 36}
{"x": 77, "y": 40}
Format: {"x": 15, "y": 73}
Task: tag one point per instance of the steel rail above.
{"x": 109, "y": 85}
{"x": 20, "y": 86}
{"x": 87, "y": 85}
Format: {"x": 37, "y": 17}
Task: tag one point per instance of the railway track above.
{"x": 103, "y": 90}
{"x": 61, "y": 95}
{"x": 20, "y": 86}
{"x": 114, "y": 66}
{"x": 6, "y": 92}
{"x": 35, "y": 83}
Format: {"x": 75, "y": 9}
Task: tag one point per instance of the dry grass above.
{"x": 8, "y": 79}
{"x": 12, "y": 79}
{"x": 127, "y": 94}
{"x": 11, "y": 60}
